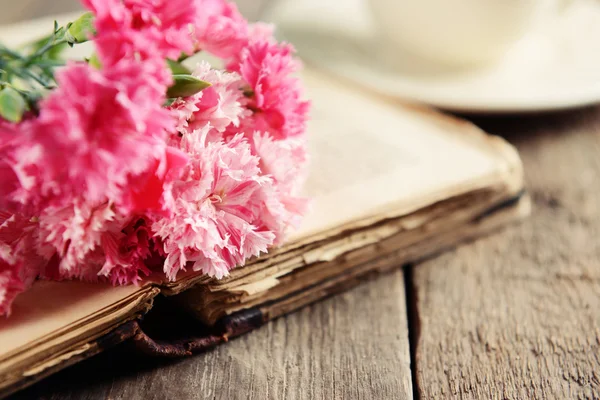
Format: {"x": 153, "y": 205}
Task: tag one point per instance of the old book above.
{"x": 390, "y": 183}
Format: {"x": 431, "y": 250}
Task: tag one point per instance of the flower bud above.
{"x": 81, "y": 30}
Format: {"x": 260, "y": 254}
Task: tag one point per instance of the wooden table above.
{"x": 515, "y": 315}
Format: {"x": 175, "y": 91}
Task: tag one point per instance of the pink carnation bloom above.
{"x": 126, "y": 252}
{"x": 286, "y": 162}
{"x": 142, "y": 28}
{"x": 219, "y": 203}
{"x": 151, "y": 190}
{"x": 21, "y": 259}
{"x": 10, "y": 286}
{"x": 96, "y": 241}
{"x": 220, "y": 105}
{"x": 220, "y": 28}
{"x": 75, "y": 232}
{"x": 269, "y": 68}
{"x": 97, "y": 132}
{"x": 15, "y": 153}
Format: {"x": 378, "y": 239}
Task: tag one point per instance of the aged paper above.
{"x": 368, "y": 156}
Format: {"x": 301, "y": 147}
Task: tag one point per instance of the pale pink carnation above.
{"x": 220, "y": 105}
{"x": 98, "y": 131}
{"x": 286, "y": 162}
{"x": 219, "y": 28}
{"x": 276, "y": 95}
{"x": 219, "y": 203}
{"x": 144, "y": 29}
{"x": 75, "y": 232}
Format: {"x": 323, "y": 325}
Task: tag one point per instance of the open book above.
{"x": 390, "y": 184}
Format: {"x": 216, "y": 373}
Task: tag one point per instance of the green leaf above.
{"x": 178, "y": 68}
{"x": 12, "y": 105}
{"x": 80, "y": 30}
{"x": 186, "y": 85}
{"x": 183, "y": 57}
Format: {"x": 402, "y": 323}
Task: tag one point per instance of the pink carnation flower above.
{"x": 15, "y": 152}
{"x": 126, "y": 252}
{"x": 21, "y": 259}
{"x": 220, "y": 105}
{"x": 219, "y": 28}
{"x": 97, "y": 132}
{"x": 219, "y": 202}
{"x": 286, "y": 162}
{"x": 96, "y": 241}
{"x": 269, "y": 68}
{"x": 10, "y": 286}
{"x": 75, "y": 232}
{"x": 151, "y": 190}
{"x": 148, "y": 29}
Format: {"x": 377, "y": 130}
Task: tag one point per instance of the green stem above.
{"x": 25, "y": 73}
{"x": 50, "y": 63}
{"x": 48, "y": 46}
{"x": 9, "y": 52}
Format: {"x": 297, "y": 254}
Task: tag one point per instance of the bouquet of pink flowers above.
{"x": 129, "y": 162}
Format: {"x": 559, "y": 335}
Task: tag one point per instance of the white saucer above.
{"x": 555, "y": 67}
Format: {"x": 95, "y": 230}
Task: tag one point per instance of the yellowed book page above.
{"x": 50, "y": 306}
{"x": 369, "y": 157}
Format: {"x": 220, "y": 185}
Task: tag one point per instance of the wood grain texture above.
{"x": 517, "y": 315}
{"x": 352, "y": 346}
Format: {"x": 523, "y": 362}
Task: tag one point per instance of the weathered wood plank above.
{"x": 516, "y": 315}
{"x": 352, "y": 346}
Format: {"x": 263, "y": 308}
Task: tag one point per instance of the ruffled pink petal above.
{"x": 269, "y": 69}
{"x": 219, "y": 28}
{"x": 217, "y": 208}
{"x": 21, "y": 258}
{"x": 109, "y": 126}
{"x": 142, "y": 29}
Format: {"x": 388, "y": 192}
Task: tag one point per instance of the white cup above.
{"x": 458, "y": 32}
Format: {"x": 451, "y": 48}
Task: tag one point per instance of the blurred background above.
{"x": 465, "y": 56}
{"x": 14, "y": 11}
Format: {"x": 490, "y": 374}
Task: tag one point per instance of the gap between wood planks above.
{"x": 414, "y": 329}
